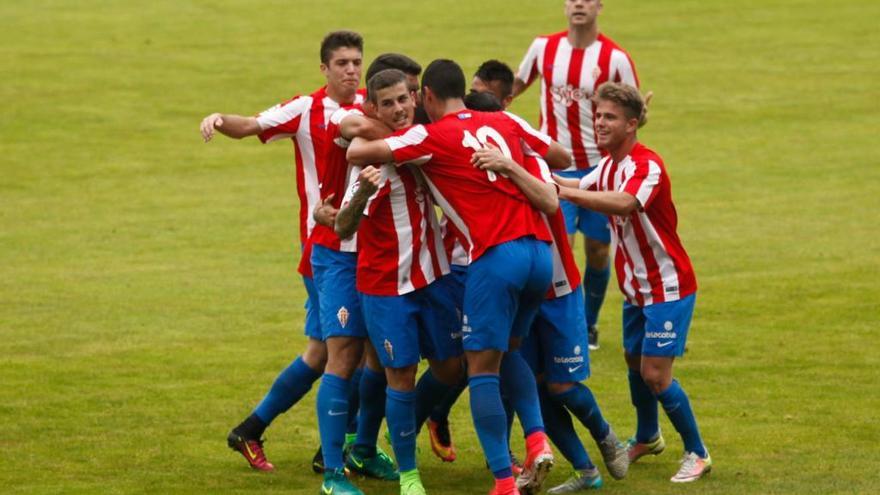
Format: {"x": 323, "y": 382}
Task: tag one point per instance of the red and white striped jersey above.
{"x": 304, "y": 119}
{"x": 566, "y": 276}
{"x": 569, "y": 76}
{"x": 338, "y": 175}
{"x": 456, "y": 252}
{"x": 651, "y": 263}
{"x": 486, "y": 208}
{"x": 400, "y": 246}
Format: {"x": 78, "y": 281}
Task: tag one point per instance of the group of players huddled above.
{"x": 489, "y": 293}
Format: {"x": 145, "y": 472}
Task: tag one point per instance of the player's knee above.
{"x": 598, "y": 254}
{"x": 315, "y": 355}
{"x": 559, "y": 388}
{"x": 633, "y": 362}
{"x": 402, "y": 379}
{"x": 656, "y": 379}
{"x": 448, "y": 372}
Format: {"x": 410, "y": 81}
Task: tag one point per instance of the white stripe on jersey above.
{"x": 279, "y": 114}
{"x": 585, "y": 106}
{"x": 452, "y": 215}
{"x": 668, "y": 273}
{"x": 400, "y": 213}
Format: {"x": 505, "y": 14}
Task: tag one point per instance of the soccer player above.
{"x": 303, "y": 119}
{"x": 632, "y": 187}
{"x": 507, "y": 244}
{"x": 556, "y": 348}
{"x": 572, "y": 64}
{"x": 401, "y": 266}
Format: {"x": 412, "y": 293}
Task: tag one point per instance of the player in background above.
{"x": 632, "y": 187}
{"x": 325, "y": 214}
{"x": 510, "y": 266}
{"x": 556, "y": 348}
{"x": 571, "y": 65}
{"x": 303, "y": 119}
{"x": 400, "y": 274}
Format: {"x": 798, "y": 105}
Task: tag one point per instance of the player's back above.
{"x": 487, "y": 208}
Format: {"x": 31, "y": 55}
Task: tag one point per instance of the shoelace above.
{"x": 688, "y": 462}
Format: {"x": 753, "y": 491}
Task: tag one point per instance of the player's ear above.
{"x": 324, "y": 69}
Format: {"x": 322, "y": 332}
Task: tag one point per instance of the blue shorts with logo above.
{"x": 338, "y": 299}
{"x": 658, "y": 330}
{"x": 421, "y": 324}
{"x": 313, "y": 318}
{"x": 577, "y": 218}
{"x": 503, "y": 290}
{"x": 557, "y": 346}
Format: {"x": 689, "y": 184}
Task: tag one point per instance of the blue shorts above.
{"x": 503, "y": 290}
{"x": 420, "y": 324}
{"x": 658, "y": 330}
{"x": 588, "y": 222}
{"x": 557, "y": 346}
{"x": 313, "y": 318}
{"x": 338, "y": 299}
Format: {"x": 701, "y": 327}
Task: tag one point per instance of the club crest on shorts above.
{"x": 577, "y": 350}
{"x": 342, "y": 316}
{"x": 389, "y": 349}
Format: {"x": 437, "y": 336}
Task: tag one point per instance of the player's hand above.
{"x": 325, "y": 213}
{"x": 210, "y": 123}
{"x": 567, "y": 182}
{"x": 490, "y": 158}
{"x": 369, "y": 181}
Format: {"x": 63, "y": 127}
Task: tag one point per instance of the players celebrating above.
{"x": 572, "y": 64}
{"x": 631, "y": 185}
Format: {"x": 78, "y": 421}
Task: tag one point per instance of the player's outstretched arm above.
{"x": 519, "y": 86}
{"x": 361, "y": 126}
{"x": 349, "y": 217}
{"x": 558, "y": 157}
{"x": 608, "y": 202}
{"x": 234, "y": 126}
{"x": 541, "y": 194}
{"x": 363, "y": 152}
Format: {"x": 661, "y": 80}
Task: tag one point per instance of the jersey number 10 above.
{"x": 482, "y": 139}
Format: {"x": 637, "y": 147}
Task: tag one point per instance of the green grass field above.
{"x": 148, "y": 293}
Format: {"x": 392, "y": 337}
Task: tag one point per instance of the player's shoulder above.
{"x": 610, "y": 42}
{"x": 642, "y": 155}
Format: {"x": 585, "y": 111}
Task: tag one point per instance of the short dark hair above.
{"x": 394, "y": 61}
{"x": 496, "y": 70}
{"x": 482, "y": 101}
{"x": 445, "y": 78}
{"x": 340, "y": 39}
{"x": 628, "y": 97}
{"x": 383, "y": 79}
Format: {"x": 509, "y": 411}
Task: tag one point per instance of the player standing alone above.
{"x": 632, "y": 187}
{"x": 572, "y": 64}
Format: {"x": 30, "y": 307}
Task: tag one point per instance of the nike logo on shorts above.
{"x": 664, "y": 344}
{"x": 572, "y": 370}
{"x": 337, "y": 413}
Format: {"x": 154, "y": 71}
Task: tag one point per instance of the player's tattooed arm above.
{"x": 349, "y": 217}
{"x": 325, "y": 213}
{"x": 608, "y": 202}
{"x": 234, "y": 126}
{"x": 362, "y": 152}
{"x": 541, "y": 195}
{"x": 361, "y": 126}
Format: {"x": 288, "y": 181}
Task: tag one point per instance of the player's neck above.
{"x": 343, "y": 98}
{"x": 583, "y": 36}
{"x": 625, "y": 148}
{"x": 453, "y": 105}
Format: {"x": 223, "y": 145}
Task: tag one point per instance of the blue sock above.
{"x": 510, "y": 413}
{"x": 489, "y": 422}
{"x": 332, "y": 407}
{"x": 595, "y": 286}
{"x": 581, "y": 402}
{"x": 441, "y": 411}
{"x": 560, "y": 429}
{"x": 354, "y": 400}
{"x": 519, "y": 386}
{"x": 647, "y": 425}
{"x": 400, "y": 409}
{"x": 372, "y": 411}
{"x": 429, "y": 392}
{"x": 293, "y": 383}
{"x": 678, "y": 409}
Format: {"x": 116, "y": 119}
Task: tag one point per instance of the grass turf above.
{"x": 147, "y": 287}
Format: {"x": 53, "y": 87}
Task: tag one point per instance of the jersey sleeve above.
{"x": 282, "y": 120}
{"x": 336, "y": 120}
{"x": 622, "y": 69}
{"x": 412, "y": 146}
{"x": 529, "y": 68}
{"x": 354, "y": 185}
{"x": 643, "y": 182}
{"x": 590, "y": 182}
{"x": 537, "y": 141}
